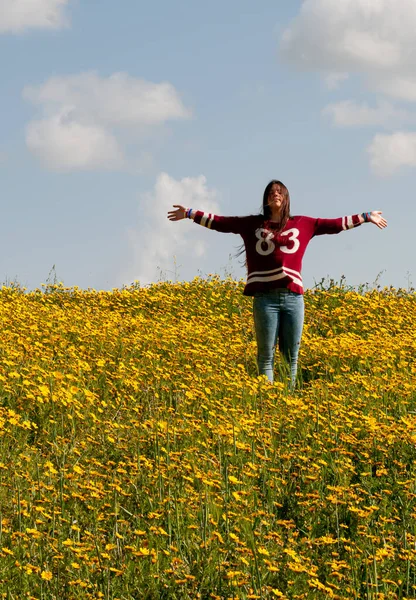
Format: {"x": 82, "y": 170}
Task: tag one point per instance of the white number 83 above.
{"x": 265, "y": 245}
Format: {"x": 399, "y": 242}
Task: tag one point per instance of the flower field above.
{"x": 142, "y": 458}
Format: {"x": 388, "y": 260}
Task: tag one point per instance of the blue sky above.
{"x": 112, "y": 112}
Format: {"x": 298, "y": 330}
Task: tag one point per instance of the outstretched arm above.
{"x": 223, "y": 224}
{"x": 323, "y": 226}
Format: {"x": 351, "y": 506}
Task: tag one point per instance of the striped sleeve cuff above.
{"x": 350, "y": 222}
{"x": 201, "y": 218}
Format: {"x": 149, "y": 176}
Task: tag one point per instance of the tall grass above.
{"x": 141, "y": 456}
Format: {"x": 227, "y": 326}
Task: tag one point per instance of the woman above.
{"x": 275, "y": 243}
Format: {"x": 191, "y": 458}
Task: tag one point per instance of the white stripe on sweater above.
{"x": 281, "y": 274}
{"x": 275, "y": 271}
{"x": 347, "y": 223}
{"x": 206, "y": 220}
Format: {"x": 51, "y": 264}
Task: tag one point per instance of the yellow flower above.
{"x": 233, "y": 479}
{"x": 143, "y": 551}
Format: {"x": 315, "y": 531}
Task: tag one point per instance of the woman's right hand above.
{"x": 178, "y": 214}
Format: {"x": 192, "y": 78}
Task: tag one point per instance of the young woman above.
{"x": 275, "y": 243}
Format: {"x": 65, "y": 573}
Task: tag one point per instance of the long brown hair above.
{"x": 284, "y": 209}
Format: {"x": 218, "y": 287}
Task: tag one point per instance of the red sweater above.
{"x": 274, "y": 260}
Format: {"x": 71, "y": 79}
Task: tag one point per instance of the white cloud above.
{"x": 157, "y": 242}
{"x": 374, "y": 39}
{"x": 118, "y": 100}
{"x": 352, "y": 35}
{"x": 350, "y": 114}
{"x": 390, "y": 152}
{"x": 402, "y": 88}
{"x": 64, "y": 144}
{"x": 85, "y": 117}
{"x": 18, "y": 15}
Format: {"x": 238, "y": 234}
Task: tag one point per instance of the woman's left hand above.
{"x": 377, "y": 219}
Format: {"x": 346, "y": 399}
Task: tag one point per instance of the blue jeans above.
{"x": 278, "y": 317}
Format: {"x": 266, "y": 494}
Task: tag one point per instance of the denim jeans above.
{"x": 278, "y": 318}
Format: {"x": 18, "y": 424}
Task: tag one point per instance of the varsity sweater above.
{"x": 274, "y": 260}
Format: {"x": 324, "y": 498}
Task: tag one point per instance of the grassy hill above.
{"x": 142, "y": 457}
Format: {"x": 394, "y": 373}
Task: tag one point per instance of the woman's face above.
{"x": 276, "y": 196}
